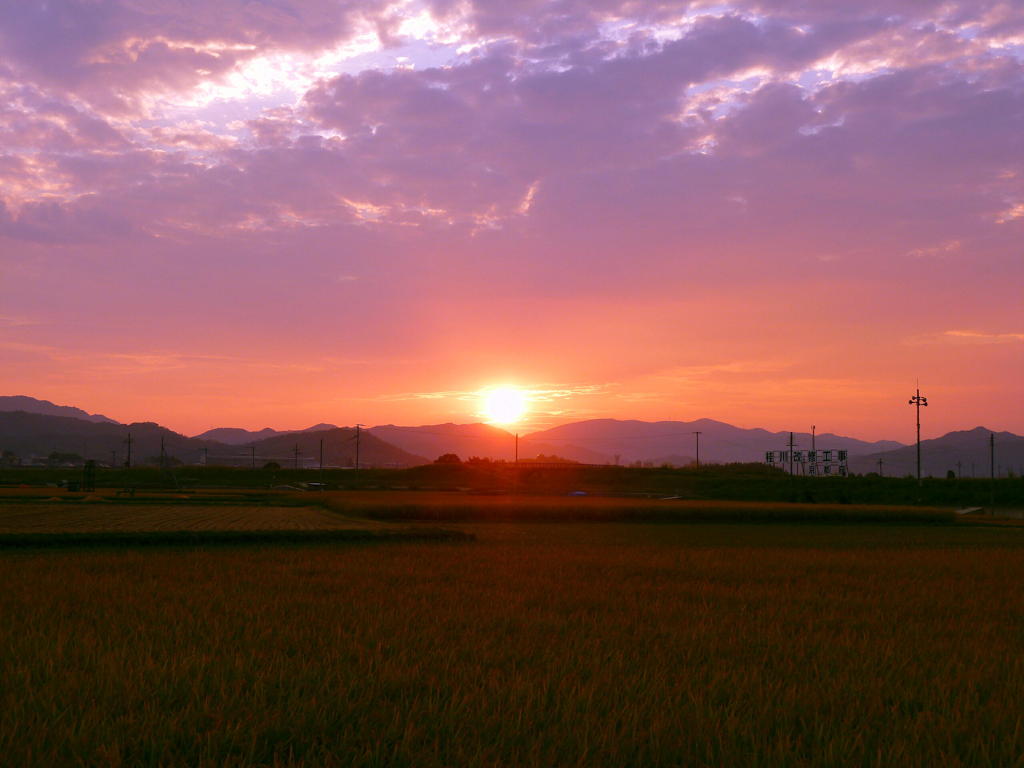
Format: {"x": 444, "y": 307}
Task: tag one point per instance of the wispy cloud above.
{"x": 17, "y": 322}
{"x": 543, "y": 393}
{"x": 979, "y": 337}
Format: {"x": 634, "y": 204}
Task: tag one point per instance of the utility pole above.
{"x": 515, "y": 453}
{"x": 358, "y": 426}
{"x": 791, "y": 453}
{"x": 128, "y": 463}
{"x": 959, "y": 470}
{"x": 321, "y": 464}
{"x": 206, "y": 456}
{"x": 992, "y": 468}
{"x": 252, "y": 454}
{"x": 880, "y": 468}
{"x": 697, "y": 434}
{"x": 113, "y": 458}
{"x": 917, "y": 401}
{"x": 296, "y": 457}
{"x": 163, "y": 455}
{"x": 812, "y": 436}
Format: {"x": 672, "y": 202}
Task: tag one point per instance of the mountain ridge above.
{"x": 28, "y": 404}
{"x": 591, "y": 441}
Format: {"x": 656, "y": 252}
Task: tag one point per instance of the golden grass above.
{"x": 82, "y": 517}
{"x": 84, "y": 524}
{"x": 545, "y": 645}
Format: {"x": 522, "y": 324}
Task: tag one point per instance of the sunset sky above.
{"x": 774, "y": 213}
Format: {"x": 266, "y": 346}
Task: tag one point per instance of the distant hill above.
{"x": 46, "y": 408}
{"x": 481, "y": 440}
{"x": 339, "y": 445}
{"x": 237, "y": 436}
{"x": 629, "y": 441}
{"x": 941, "y": 454}
{"x": 465, "y": 440}
{"x": 34, "y": 434}
{"x": 31, "y": 435}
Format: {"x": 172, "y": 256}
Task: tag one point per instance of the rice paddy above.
{"x": 536, "y": 645}
{"x": 68, "y": 518}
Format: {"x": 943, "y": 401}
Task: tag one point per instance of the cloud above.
{"x": 610, "y": 186}
{"x": 977, "y": 337}
{"x": 109, "y": 51}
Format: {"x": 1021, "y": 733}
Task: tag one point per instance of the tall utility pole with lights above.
{"x": 697, "y": 435}
{"x": 917, "y": 401}
{"x": 358, "y": 433}
{"x": 992, "y": 468}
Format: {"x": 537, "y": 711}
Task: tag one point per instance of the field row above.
{"x": 450, "y": 507}
{"x": 73, "y": 518}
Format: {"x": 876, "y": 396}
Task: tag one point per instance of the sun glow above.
{"x": 504, "y": 406}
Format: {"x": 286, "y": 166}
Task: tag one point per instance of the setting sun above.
{"x": 504, "y": 406}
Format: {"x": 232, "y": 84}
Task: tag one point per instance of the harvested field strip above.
{"x": 79, "y": 518}
{"x": 199, "y": 537}
{"x": 452, "y": 508}
{"x": 54, "y": 496}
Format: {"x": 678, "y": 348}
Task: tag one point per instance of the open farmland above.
{"x": 82, "y": 517}
{"x": 78, "y": 523}
{"x": 469, "y": 507}
{"x": 537, "y": 645}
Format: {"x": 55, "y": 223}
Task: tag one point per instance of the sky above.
{"x": 774, "y": 213}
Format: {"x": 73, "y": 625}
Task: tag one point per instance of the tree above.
{"x": 448, "y": 458}
{"x": 272, "y": 465}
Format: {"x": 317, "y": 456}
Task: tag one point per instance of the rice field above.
{"x": 536, "y": 645}
{"x": 71, "y": 524}
{"x": 467, "y": 507}
{"x": 83, "y": 517}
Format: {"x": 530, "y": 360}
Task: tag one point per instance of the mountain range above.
{"x": 30, "y": 427}
{"x": 966, "y": 453}
{"x": 45, "y": 407}
{"x": 676, "y": 442}
{"x": 30, "y": 435}
{"x": 236, "y": 436}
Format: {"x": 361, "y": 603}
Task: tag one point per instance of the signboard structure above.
{"x": 815, "y": 463}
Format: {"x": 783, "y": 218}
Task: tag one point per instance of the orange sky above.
{"x": 773, "y": 215}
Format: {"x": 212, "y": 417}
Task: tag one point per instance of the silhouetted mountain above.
{"x": 31, "y": 435}
{"x": 319, "y": 427}
{"x": 339, "y": 446}
{"x": 598, "y": 441}
{"x": 465, "y": 440}
{"x": 629, "y": 441}
{"x": 939, "y": 455}
{"x": 34, "y": 434}
{"x": 46, "y": 408}
{"x": 483, "y": 440}
{"x": 238, "y": 436}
